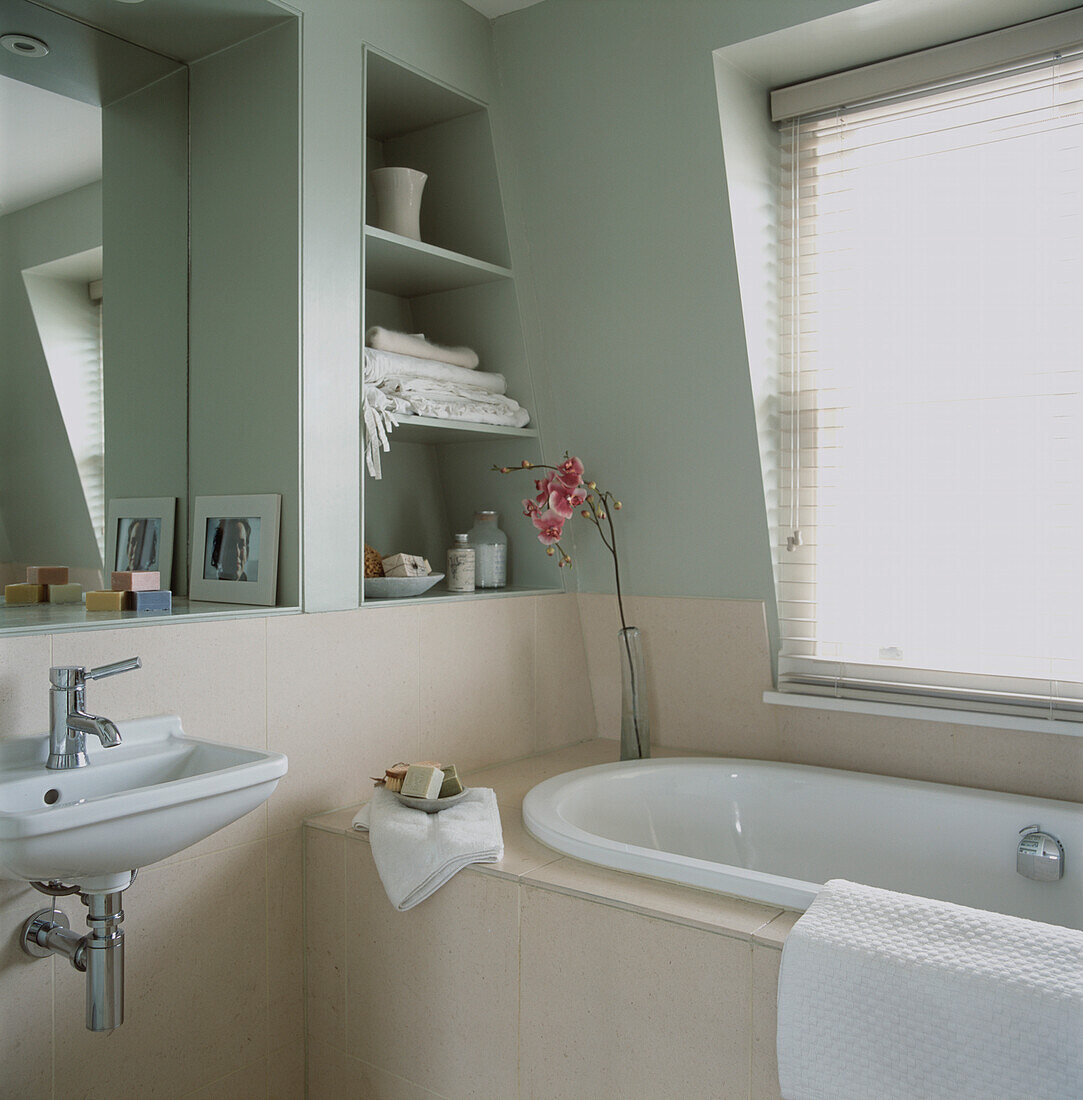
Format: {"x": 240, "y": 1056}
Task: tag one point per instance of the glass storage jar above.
{"x": 490, "y": 551}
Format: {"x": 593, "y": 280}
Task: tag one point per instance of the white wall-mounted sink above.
{"x": 150, "y": 797}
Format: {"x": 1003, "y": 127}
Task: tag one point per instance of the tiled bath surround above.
{"x": 343, "y": 695}
{"x": 222, "y": 1014}
{"x": 537, "y": 977}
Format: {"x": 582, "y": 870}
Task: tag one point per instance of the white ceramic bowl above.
{"x": 389, "y": 588}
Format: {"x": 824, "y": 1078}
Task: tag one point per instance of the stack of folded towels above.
{"x": 407, "y": 375}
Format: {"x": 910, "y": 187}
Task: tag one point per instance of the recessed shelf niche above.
{"x": 456, "y": 286}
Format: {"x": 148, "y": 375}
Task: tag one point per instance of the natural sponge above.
{"x": 374, "y": 564}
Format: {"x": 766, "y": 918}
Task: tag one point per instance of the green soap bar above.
{"x": 452, "y": 783}
{"x": 422, "y": 781}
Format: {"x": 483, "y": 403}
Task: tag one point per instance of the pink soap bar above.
{"x": 46, "y": 574}
{"x": 137, "y": 582}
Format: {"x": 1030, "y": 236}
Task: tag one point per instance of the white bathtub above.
{"x": 776, "y": 832}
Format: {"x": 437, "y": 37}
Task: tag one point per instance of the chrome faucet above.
{"x": 69, "y": 722}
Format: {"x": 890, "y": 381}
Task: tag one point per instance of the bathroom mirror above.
{"x": 93, "y": 291}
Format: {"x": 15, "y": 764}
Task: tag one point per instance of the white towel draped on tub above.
{"x": 902, "y": 998}
{"x": 416, "y": 853}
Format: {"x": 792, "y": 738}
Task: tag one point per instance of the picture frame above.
{"x": 235, "y": 549}
{"x": 139, "y": 536}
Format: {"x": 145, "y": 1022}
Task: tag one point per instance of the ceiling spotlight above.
{"x": 23, "y": 45}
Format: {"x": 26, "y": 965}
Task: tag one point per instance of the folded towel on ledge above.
{"x": 388, "y": 340}
{"x": 905, "y": 998}
{"x": 416, "y": 853}
{"x": 383, "y": 368}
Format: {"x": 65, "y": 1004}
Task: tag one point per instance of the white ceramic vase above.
{"x": 398, "y": 200}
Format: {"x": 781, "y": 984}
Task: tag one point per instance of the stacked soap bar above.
{"x": 426, "y": 779}
{"x": 44, "y": 584}
{"x": 138, "y": 591}
{"x": 406, "y": 565}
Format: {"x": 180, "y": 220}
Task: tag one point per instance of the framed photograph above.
{"x": 235, "y": 549}
{"x": 139, "y": 536}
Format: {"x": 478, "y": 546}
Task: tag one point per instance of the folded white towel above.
{"x": 388, "y": 340}
{"x": 450, "y": 401}
{"x": 416, "y": 852}
{"x": 384, "y": 368}
{"x": 905, "y": 998}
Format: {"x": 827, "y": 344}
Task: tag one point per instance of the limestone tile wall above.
{"x": 708, "y": 664}
{"x": 539, "y": 977}
{"x": 222, "y": 1015}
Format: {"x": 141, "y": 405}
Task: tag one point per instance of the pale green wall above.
{"x": 608, "y": 123}
{"x": 244, "y": 389}
{"x": 45, "y": 512}
{"x": 145, "y": 308}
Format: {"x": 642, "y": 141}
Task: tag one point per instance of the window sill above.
{"x": 925, "y": 714}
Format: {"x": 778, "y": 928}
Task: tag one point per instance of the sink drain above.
{"x": 51, "y": 796}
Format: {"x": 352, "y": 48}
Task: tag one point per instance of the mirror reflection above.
{"x": 93, "y": 291}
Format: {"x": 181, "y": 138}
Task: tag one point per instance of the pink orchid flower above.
{"x": 569, "y": 473}
{"x": 564, "y": 503}
{"x": 550, "y": 527}
{"x": 530, "y": 508}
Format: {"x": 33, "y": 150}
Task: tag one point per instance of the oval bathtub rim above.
{"x": 542, "y": 820}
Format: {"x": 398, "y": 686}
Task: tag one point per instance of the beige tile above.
{"x": 708, "y": 664}
{"x": 286, "y": 954}
{"x": 26, "y": 992}
{"x": 332, "y": 1074}
{"x": 765, "y": 964}
{"x": 511, "y": 781}
{"x": 636, "y": 1007}
{"x": 681, "y": 904}
{"x": 195, "y": 1003}
{"x": 477, "y": 687}
{"x": 337, "y": 821}
{"x": 325, "y": 932}
{"x": 286, "y": 1073}
{"x": 24, "y": 686}
{"x": 522, "y": 853}
{"x": 342, "y": 703}
{"x": 378, "y": 1084}
{"x": 868, "y": 743}
{"x": 774, "y": 933}
{"x": 437, "y": 984}
{"x": 565, "y": 707}
{"x": 1042, "y": 765}
{"x": 249, "y": 1083}
{"x": 600, "y": 622}
{"x": 212, "y": 674}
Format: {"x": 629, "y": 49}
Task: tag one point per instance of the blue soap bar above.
{"x": 147, "y": 602}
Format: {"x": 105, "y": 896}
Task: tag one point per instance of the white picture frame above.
{"x": 139, "y": 536}
{"x": 231, "y": 534}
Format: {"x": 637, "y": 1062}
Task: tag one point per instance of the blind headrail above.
{"x": 1060, "y": 34}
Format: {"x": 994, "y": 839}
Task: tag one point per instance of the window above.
{"x": 930, "y": 495}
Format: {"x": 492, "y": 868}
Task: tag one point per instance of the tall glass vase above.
{"x": 635, "y": 723}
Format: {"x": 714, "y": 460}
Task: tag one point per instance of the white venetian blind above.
{"x": 931, "y": 394}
